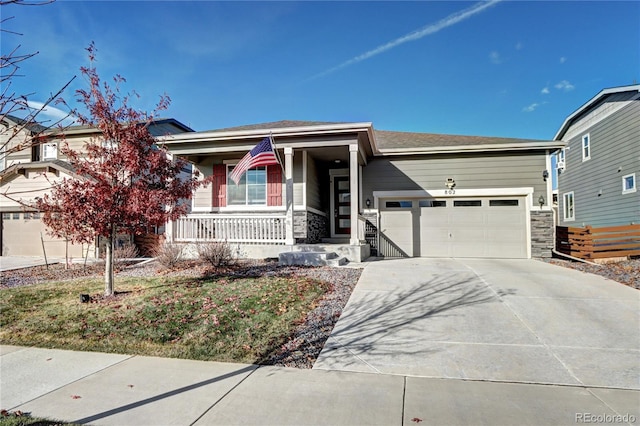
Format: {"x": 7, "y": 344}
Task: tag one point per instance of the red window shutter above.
{"x": 219, "y": 186}
{"x": 274, "y": 185}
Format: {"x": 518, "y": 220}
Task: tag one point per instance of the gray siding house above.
{"x": 599, "y": 167}
{"x": 350, "y": 188}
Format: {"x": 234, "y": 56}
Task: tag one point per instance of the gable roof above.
{"x": 389, "y": 142}
{"x": 157, "y": 127}
{"x": 282, "y": 124}
{"x": 59, "y": 165}
{"x": 381, "y": 142}
{"x": 593, "y": 103}
{"x": 31, "y": 126}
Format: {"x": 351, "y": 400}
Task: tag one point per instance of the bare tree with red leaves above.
{"x": 128, "y": 183}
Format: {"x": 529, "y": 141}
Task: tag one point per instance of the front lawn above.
{"x": 241, "y": 319}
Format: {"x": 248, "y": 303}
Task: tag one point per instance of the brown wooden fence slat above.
{"x": 598, "y": 243}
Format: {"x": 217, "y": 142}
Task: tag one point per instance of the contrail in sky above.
{"x": 415, "y": 35}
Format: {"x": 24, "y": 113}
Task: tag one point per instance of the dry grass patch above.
{"x": 241, "y": 319}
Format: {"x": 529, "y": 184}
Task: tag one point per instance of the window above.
{"x": 50, "y": 151}
{"x": 502, "y": 203}
{"x": 467, "y": 203}
{"x": 250, "y": 191}
{"x": 433, "y": 203}
{"x": 629, "y": 183}
{"x": 568, "y": 206}
{"x": 561, "y": 162}
{"x": 586, "y": 147}
{"x": 6, "y": 216}
{"x": 406, "y": 204}
{"x": 16, "y": 216}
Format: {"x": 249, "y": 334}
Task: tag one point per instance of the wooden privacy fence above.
{"x": 598, "y": 243}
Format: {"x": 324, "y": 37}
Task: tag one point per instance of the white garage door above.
{"x": 21, "y": 233}
{"x": 454, "y": 227}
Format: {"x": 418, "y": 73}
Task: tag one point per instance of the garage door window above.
{"x": 503, "y": 203}
{"x": 467, "y": 203}
{"x": 433, "y": 203}
{"x": 406, "y": 204}
{"x": 16, "y": 216}
{"x": 6, "y": 216}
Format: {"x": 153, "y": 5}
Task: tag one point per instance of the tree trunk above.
{"x": 108, "y": 265}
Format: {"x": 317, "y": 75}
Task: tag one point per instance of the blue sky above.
{"x": 509, "y": 68}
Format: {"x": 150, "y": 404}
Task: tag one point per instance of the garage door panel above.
{"x": 396, "y": 233}
{"x": 21, "y": 236}
{"x": 461, "y": 227}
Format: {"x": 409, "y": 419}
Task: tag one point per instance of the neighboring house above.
{"x": 388, "y": 193}
{"x": 598, "y": 170}
{"x": 30, "y": 171}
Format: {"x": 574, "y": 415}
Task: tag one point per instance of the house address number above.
{"x": 449, "y": 191}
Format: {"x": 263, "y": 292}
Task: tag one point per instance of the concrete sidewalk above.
{"x": 109, "y": 389}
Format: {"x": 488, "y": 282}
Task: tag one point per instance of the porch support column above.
{"x": 288, "y": 173}
{"x": 353, "y": 190}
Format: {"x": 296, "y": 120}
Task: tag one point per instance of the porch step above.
{"x": 311, "y": 258}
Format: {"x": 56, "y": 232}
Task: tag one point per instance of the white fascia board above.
{"x": 251, "y": 134}
{"x": 590, "y": 102}
{"x": 474, "y": 148}
{"x": 488, "y": 192}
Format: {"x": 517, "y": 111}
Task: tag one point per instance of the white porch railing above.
{"x": 235, "y": 228}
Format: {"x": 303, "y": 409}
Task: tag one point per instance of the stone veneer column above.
{"x": 542, "y": 233}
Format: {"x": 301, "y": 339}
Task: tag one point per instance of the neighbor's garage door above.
{"x": 21, "y": 233}
{"x": 454, "y": 227}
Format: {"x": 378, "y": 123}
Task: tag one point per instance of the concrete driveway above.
{"x": 488, "y": 319}
{"x": 8, "y": 263}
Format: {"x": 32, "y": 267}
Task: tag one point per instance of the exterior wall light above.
{"x": 541, "y": 201}
{"x": 368, "y": 203}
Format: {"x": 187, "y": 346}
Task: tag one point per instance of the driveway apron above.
{"x": 520, "y": 321}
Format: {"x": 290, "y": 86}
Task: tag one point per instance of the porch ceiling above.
{"x": 330, "y": 154}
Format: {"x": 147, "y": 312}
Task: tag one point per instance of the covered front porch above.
{"x": 312, "y": 201}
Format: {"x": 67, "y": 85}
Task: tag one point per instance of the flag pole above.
{"x": 273, "y": 146}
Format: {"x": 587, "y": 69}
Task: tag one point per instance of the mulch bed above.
{"x": 626, "y": 272}
{"x": 304, "y": 345}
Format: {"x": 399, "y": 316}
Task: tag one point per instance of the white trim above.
{"x": 635, "y": 184}
{"x": 564, "y": 207}
{"x": 549, "y": 179}
{"x": 528, "y": 202}
{"x": 473, "y": 148}
{"x": 316, "y": 211}
{"x": 488, "y": 192}
{"x": 360, "y": 200}
{"x": 276, "y": 132}
{"x": 304, "y": 178}
{"x": 586, "y": 137}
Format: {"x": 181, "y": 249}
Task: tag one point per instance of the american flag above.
{"x": 261, "y": 155}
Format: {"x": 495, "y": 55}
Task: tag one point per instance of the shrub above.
{"x": 168, "y": 254}
{"x": 217, "y": 253}
{"x": 127, "y": 251}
